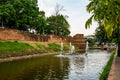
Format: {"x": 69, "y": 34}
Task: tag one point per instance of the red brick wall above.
{"x": 16, "y": 35}
{"x": 12, "y": 34}
{"x": 79, "y": 41}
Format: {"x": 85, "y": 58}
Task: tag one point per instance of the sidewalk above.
{"x": 115, "y": 69}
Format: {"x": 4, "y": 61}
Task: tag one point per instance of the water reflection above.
{"x": 63, "y": 67}
{"x": 42, "y": 68}
{"x": 77, "y": 65}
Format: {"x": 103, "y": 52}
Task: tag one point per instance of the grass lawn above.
{"x": 13, "y": 47}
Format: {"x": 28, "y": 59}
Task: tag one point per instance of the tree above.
{"x": 58, "y": 9}
{"x": 58, "y": 25}
{"x": 41, "y": 24}
{"x": 7, "y": 14}
{"x": 26, "y": 13}
{"x": 91, "y": 42}
{"x": 101, "y": 35}
{"x": 107, "y": 14}
{"x": 18, "y": 14}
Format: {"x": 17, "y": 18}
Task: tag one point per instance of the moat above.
{"x": 56, "y": 67}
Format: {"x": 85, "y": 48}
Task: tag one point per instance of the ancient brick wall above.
{"x": 16, "y": 35}
{"x": 12, "y": 34}
{"x": 79, "y": 41}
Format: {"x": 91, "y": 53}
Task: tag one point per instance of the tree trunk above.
{"x": 118, "y": 41}
{"x": 118, "y": 50}
{"x": 2, "y": 23}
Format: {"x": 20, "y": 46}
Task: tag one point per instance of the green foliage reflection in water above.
{"x": 43, "y": 68}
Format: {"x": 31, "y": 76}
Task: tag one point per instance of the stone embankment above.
{"x": 23, "y": 57}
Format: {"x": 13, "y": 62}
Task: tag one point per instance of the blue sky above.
{"x": 75, "y": 9}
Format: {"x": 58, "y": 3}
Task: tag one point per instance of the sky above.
{"x": 75, "y": 9}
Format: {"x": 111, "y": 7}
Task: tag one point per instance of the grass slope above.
{"x": 9, "y": 47}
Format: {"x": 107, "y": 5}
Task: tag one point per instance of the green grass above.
{"x": 106, "y": 70}
{"x": 42, "y": 48}
{"x": 13, "y": 47}
{"x": 53, "y": 47}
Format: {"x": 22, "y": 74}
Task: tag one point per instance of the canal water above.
{"x": 56, "y": 67}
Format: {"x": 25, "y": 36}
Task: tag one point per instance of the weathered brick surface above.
{"x": 12, "y": 34}
{"x": 79, "y": 41}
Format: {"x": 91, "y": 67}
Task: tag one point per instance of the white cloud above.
{"x": 47, "y": 6}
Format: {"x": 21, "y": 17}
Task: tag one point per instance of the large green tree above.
{"x": 7, "y": 14}
{"x": 107, "y": 14}
{"x": 18, "y": 14}
{"x": 101, "y": 35}
{"x": 41, "y": 24}
{"x": 58, "y": 25}
{"x": 24, "y": 15}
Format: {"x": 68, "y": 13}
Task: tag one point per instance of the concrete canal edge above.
{"x": 24, "y": 57}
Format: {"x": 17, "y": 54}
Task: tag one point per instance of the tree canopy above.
{"x": 18, "y": 14}
{"x": 101, "y": 35}
{"x": 107, "y": 14}
{"x": 58, "y": 25}
{"x": 24, "y": 15}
